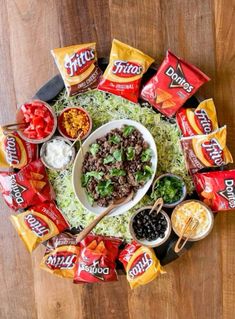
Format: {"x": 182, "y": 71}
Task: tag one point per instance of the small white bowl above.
{"x": 153, "y": 243}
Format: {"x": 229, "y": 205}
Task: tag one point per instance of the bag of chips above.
{"x": 38, "y": 224}
{"x": 140, "y": 263}
{"x": 206, "y": 150}
{"x": 15, "y": 152}
{"x": 30, "y": 186}
{"x": 78, "y": 67}
{"x": 61, "y": 255}
{"x": 216, "y": 189}
{"x": 173, "y": 84}
{"x": 96, "y": 262}
{"x": 202, "y": 120}
{"x": 125, "y": 70}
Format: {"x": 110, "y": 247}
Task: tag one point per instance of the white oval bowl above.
{"x": 77, "y": 167}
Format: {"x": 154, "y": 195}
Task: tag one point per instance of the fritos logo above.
{"x": 12, "y": 149}
{"x": 126, "y": 69}
{"x": 203, "y": 121}
{"x": 37, "y": 225}
{"x": 140, "y": 265}
{"x": 61, "y": 260}
{"x": 78, "y": 62}
{"x": 178, "y": 78}
{"x": 229, "y": 192}
{"x": 213, "y": 152}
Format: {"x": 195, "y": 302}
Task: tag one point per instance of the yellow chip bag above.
{"x": 202, "y": 120}
{"x": 141, "y": 264}
{"x": 78, "y": 67}
{"x": 206, "y": 150}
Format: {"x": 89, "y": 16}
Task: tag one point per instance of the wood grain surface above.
{"x": 201, "y": 284}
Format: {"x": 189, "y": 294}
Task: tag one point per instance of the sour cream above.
{"x": 57, "y": 153}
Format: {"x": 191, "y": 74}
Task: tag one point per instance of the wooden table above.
{"x": 201, "y": 283}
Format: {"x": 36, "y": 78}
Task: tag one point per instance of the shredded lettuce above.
{"x": 103, "y": 108}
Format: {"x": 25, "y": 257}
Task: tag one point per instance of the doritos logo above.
{"x": 95, "y": 269}
{"x": 126, "y": 69}
{"x": 79, "y": 62}
{"x": 213, "y": 152}
{"x": 229, "y": 192}
{"x": 61, "y": 260}
{"x": 140, "y": 265}
{"x": 178, "y": 78}
{"x": 17, "y": 190}
{"x": 203, "y": 121}
{"x": 37, "y": 225}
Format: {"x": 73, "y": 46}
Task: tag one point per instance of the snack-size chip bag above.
{"x": 15, "y": 152}
{"x": 125, "y": 70}
{"x": 96, "y": 262}
{"x": 140, "y": 263}
{"x": 173, "y": 84}
{"x": 78, "y": 67}
{"x": 61, "y": 255}
{"x": 30, "y": 186}
{"x": 209, "y": 150}
{"x": 216, "y": 189}
{"x": 38, "y": 224}
{"x": 201, "y": 120}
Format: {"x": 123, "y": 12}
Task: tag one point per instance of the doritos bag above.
{"x": 216, "y": 189}
{"x": 30, "y": 186}
{"x": 61, "y": 255}
{"x": 173, "y": 84}
{"x": 202, "y": 120}
{"x": 96, "y": 262}
{"x": 78, "y": 67}
{"x": 125, "y": 70}
{"x": 140, "y": 263}
{"x": 15, "y": 152}
{"x": 206, "y": 150}
{"x": 38, "y": 224}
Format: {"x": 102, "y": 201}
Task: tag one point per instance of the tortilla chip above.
{"x": 168, "y": 104}
{"x": 162, "y": 96}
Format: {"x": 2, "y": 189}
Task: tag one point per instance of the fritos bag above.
{"x": 38, "y": 224}
{"x": 30, "y": 186}
{"x": 125, "y": 70}
{"x": 96, "y": 262}
{"x": 61, "y": 255}
{"x": 140, "y": 263}
{"x": 216, "y": 189}
{"x": 78, "y": 67}
{"x": 173, "y": 84}
{"x": 201, "y": 120}
{"x": 206, "y": 150}
{"x": 15, "y": 152}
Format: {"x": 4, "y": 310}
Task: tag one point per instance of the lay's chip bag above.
{"x": 125, "y": 70}
{"x": 140, "y": 263}
{"x": 38, "y": 224}
{"x": 201, "y": 120}
{"x": 209, "y": 150}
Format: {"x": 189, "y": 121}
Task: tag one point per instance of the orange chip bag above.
{"x": 141, "y": 264}
{"x": 206, "y": 150}
{"x": 202, "y": 120}
{"x": 78, "y": 67}
{"x": 38, "y": 224}
{"x": 61, "y": 255}
{"x": 125, "y": 70}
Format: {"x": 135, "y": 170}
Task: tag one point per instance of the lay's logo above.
{"x": 125, "y": 69}
{"x": 79, "y": 62}
{"x": 61, "y": 260}
{"x": 37, "y": 225}
{"x": 140, "y": 265}
{"x": 213, "y": 152}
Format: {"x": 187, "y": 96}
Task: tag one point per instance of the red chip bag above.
{"x": 30, "y": 186}
{"x": 173, "y": 84}
{"x": 61, "y": 255}
{"x": 125, "y": 70}
{"x": 216, "y": 189}
{"x": 15, "y": 152}
{"x": 38, "y": 224}
{"x": 96, "y": 262}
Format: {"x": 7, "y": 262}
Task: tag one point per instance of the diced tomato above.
{"x": 38, "y": 121}
{"x": 40, "y": 112}
{"x": 40, "y": 133}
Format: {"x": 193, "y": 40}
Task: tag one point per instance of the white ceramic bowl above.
{"x": 77, "y": 167}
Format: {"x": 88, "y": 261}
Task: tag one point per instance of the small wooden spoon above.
{"x": 89, "y": 228}
{"x": 158, "y": 204}
{"x": 10, "y": 128}
{"x": 191, "y": 224}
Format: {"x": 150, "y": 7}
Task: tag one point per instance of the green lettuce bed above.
{"x": 103, "y": 108}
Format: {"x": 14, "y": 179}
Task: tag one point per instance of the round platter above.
{"x": 49, "y": 92}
